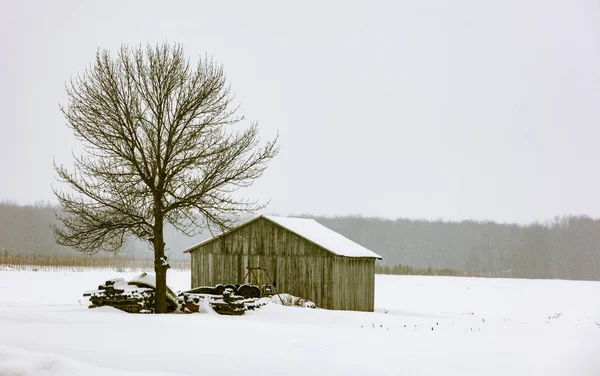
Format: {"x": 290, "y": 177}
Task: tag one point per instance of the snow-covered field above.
{"x": 422, "y": 326}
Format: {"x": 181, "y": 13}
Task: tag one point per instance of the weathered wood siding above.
{"x": 297, "y": 266}
{"x": 353, "y": 284}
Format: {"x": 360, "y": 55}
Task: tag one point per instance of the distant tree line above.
{"x": 80, "y": 263}
{"x": 409, "y": 270}
{"x": 25, "y": 230}
{"x": 565, "y": 247}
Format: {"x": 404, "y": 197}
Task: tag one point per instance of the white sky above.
{"x": 421, "y": 109}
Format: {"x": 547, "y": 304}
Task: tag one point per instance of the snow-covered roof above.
{"x": 323, "y": 236}
{"x": 315, "y": 232}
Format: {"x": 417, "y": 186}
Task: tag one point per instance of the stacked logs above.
{"x": 223, "y": 299}
{"x": 138, "y": 296}
{"x": 121, "y": 295}
{"x": 246, "y": 291}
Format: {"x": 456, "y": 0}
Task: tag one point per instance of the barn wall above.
{"x": 353, "y": 284}
{"x": 297, "y": 266}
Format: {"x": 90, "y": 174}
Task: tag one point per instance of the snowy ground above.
{"x": 422, "y": 326}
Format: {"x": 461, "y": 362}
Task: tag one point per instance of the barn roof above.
{"x": 315, "y": 232}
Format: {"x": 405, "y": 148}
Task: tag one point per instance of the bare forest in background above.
{"x": 561, "y": 248}
{"x": 566, "y": 247}
{"x": 81, "y": 263}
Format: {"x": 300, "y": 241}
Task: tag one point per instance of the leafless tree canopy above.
{"x": 159, "y": 146}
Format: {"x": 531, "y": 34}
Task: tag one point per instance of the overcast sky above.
{"x": 419, "y": 109}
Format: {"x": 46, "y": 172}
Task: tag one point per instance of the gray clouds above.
{"x": 427, "y": 109}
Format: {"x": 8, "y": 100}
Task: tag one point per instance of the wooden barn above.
{"x": 302, "y": 257}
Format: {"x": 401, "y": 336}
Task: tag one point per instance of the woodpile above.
{"x": 132, "y": 297}
{"x": 223, "y": 299}
{"x": 246, "y": 291}
{"x": 118, "y": 293}
{"x": 138, "y": 296}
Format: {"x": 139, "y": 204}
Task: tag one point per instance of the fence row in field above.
{"x": 81, "y": 263}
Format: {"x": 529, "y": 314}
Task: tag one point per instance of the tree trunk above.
{"x": 160, "y": 263}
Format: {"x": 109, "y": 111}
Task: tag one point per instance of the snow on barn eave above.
{"x": 312, "y": 231}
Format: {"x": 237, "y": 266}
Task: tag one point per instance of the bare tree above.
{"x": 158, "y": 148}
